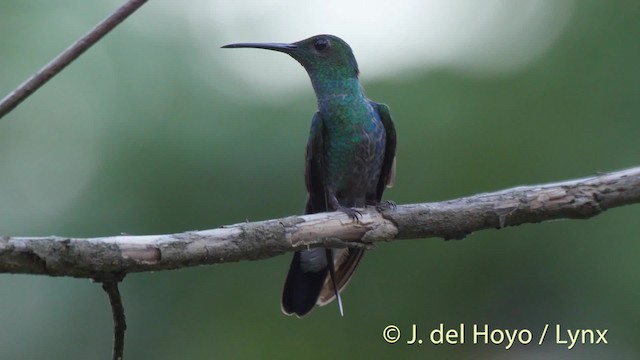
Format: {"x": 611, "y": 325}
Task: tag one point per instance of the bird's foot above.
{"x": 353, "y": 214}
{"x": 386, "y": 205}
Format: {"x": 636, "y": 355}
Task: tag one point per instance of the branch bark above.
{"x": 455, "y": 219}
{"x": 65, "y": 58}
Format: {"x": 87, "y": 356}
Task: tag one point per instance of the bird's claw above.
{"x": 353, "y": 214}
{"x": 387, "y": 205}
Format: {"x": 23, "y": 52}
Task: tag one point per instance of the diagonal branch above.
{"x": 68, "y": 56}
{"x": 453, "y": 219}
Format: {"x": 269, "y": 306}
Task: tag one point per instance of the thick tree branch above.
{"x": 454, "y": 219}
{"x": 68, "y": 56}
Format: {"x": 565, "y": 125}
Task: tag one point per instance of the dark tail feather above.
{"x": 302, "y": 288}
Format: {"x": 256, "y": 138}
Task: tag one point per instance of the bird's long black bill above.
{"x": 269, "y": 46}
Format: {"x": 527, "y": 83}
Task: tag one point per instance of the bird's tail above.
{"x": 306, "y": 277}
{"x": 346, "y": 261}
{"x": 313, "y": 280}
{"x": 334, "y": 282}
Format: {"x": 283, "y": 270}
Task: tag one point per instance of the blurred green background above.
{"x": 157, "y": 130}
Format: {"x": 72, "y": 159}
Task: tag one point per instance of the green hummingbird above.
{"x": 350, "y": 159}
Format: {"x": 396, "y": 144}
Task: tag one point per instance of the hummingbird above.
{"x": 350, "y": 159}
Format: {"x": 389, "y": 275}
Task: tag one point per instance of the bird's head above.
{"x": 321, "y": 55}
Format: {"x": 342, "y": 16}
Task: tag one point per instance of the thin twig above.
{"x": 68, "y": 56}
{"x": 453, "y": 219}
{"x": 117, "y": 310}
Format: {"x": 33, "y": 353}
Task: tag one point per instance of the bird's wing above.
{"x": 388, "y": 173}
{"x": 314, "y": 168}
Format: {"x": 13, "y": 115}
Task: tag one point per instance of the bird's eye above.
{"x": 321, "y": 44}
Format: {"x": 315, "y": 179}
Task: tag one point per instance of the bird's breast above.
{"x": 354, "y": 152}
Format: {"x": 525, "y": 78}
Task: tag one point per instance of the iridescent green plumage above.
{"x": 349, "y": 160}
